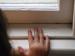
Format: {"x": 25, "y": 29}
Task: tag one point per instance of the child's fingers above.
{"x": 30, "y": 37}
{"x": 47, "y": 43}
{"x": 41, "y": 35}
{"x": 36, "y": 35}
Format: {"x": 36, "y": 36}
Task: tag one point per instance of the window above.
{"x": 58, "y": 24}
{"x": 37, "y": 5}
{"x": 28, "y": 1}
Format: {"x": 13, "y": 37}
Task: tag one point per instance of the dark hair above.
{"x": 5, "y": 46}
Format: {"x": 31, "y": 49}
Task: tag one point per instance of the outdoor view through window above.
{"x": 30, "y": 4}
{"x": 28, "y": 1}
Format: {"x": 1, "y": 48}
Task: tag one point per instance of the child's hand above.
{"x": 39, "y": 44}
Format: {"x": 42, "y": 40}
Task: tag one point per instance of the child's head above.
{"x": 4, "y": 43}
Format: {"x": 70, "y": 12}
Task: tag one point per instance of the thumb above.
{"x": 22, "y": 51}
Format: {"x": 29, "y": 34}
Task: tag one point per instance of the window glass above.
{"x": 28, "y": 1}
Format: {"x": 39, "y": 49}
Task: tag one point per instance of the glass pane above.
{"x": 28, "y": 1}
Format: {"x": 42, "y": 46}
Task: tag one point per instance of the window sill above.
{"x": 57, "y": 46}
{"x": 56, "y": 31}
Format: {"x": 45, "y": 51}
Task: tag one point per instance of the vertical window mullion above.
{"x": 74, "y": 20}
